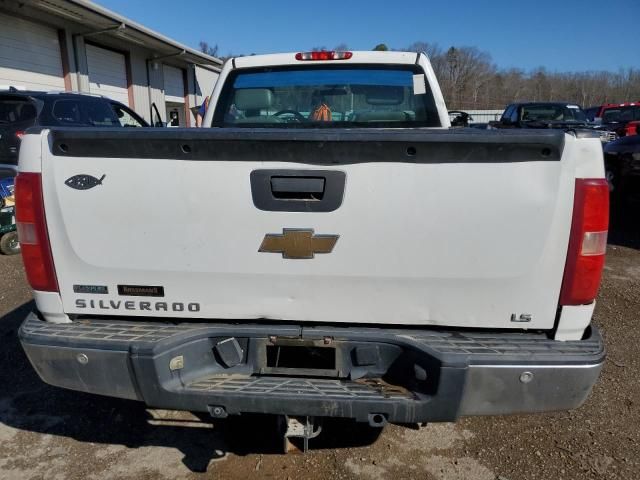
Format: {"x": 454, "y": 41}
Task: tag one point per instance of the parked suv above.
{"x": 20, "y": 110}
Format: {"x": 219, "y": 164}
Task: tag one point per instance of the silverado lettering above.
{"x": 131, "y": 305}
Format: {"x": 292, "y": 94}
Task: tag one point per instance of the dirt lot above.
{"x": 51, "y": 433}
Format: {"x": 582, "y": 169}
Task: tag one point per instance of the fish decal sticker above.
{"x": 83, "y": 182}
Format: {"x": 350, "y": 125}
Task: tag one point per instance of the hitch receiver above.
{"x": 299, "y": 427}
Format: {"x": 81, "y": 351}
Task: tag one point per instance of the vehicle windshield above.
{"x": 553, "y": 113}
{"x": 16, "y": 110}
{"x": 327, "y": 96}
{"x": 622, "y": 114}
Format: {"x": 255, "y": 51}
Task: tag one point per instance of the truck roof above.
{"x": 617, "y": 105}
{"x": 42, "y": 94}
{"x": 362, "y": 57}
{"x": 542, "y": 103}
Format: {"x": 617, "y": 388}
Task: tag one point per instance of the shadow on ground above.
{"x": 624, "y": 228}
{"x": 28, "y": 404}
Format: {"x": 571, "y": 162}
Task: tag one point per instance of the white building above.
{"x": 80, "y": 46}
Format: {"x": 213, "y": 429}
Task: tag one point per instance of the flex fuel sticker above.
{"x": 419, "y": 84}
{"x": 92, "y": 289}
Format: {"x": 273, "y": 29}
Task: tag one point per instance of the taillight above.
{"x": 32, "y": 233}
{"x": 19, "y": 134}
{"x": 587, "y": 242}
{"x": 323, "y": 55}
{"x": 632, "y": 128}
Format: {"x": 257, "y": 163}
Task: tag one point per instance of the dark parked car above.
{"x": 562, "y": 115}
{"x": 9, "y": 244}
{"x": 20, "y": 110}
{"x": 542, "y": 115}
{"x": 622, "y": 165}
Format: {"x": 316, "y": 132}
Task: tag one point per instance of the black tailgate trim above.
{"x": 313, "y": 146}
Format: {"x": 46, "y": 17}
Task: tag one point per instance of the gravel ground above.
{"x": 51, "y": 433}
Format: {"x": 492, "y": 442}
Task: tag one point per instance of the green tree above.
{"x": 381, "y": 47}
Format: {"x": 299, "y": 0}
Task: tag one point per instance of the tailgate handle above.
{"x": 298, "y": 188}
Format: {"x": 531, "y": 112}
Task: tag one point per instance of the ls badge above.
{"x": 297, "y": 243}
{"x": 83, "y": 182}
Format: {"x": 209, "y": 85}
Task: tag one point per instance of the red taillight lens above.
{"x": 632, "y": 128}
{"x": 587, "y": 243}
{"x": 323, "y": 55}
{"x": 32, "y": 232}
{"x": 19, "y": 134}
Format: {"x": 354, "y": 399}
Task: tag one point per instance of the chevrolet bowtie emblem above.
{"x": 294, "y": 243}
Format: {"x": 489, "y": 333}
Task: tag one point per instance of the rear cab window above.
{"x": 550, "y": 112}
{"x": 321, "y": 96}
{"x": 621, "y": 114}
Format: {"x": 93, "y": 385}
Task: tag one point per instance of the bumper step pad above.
{"x": 365, "y": 389}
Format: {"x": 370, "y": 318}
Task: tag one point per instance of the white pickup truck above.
{"x": 329, "y": 247}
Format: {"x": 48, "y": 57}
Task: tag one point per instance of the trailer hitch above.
{"x": 298, "y": 427}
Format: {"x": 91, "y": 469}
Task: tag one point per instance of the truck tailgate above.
{"x": 458, "y": 228}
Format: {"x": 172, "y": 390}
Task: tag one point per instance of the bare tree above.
{"x": 208, "y": 49}
{"x": 469, "y": 80}
{"x": 467, "y": 70}
{"x": 431, "y": 49}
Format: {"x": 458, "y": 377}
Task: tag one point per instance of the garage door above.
{"x": 206, "y": 80}
{"x": 173, "y": 84}
{"x": 29, "y": 55}
{"x": 107, "y": 73}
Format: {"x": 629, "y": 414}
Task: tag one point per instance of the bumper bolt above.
{"x": 176, "y": 363}
{"x": 82, "y": 359}
{"x": 217, "y": 411}
{"x": 526, "y": 377}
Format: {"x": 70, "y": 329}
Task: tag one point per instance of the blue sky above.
{"x": 561, "y": 35}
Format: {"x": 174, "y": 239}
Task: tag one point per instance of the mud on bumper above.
{"x": 369, "y": 374}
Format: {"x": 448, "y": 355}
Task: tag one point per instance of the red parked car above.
{"x": 623, "y": 118}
